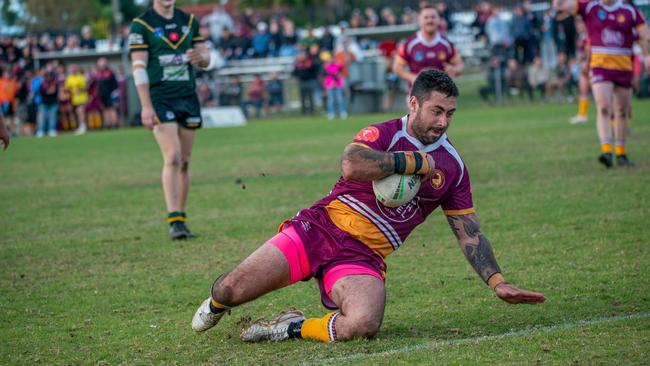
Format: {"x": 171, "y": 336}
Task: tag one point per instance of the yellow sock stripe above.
{"x": 606, "y": 148}
{"x": 583, "y": 107}
{"x": 176, "y": 218}
{"x": 620, "y": 150}
{"x": 217, "y": 305}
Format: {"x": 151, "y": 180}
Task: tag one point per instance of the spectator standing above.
{"x": 559, "y": 78}
{"x": 275, "y": 90}
{"x": 49, "y": 106}
{"x": 27, "y": 118}
{"x": 547, "y": 46}
{"x": 8, "y": 90}
{"x": 205, "y": 95}
{"x": 255, "y": 94}
{"x": 5, "y": 135}
{"x": 334, "y": 85}
{"x": 306, "y": 72}
{"x": 77, "y": 85}
{"x": 517, "y": 79}
{"x": 522, "y": 32}
{"x": 108, "y": 92}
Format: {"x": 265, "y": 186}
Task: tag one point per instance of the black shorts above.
{"x": 106, "y": 99}
{"x": 185, "y": 111}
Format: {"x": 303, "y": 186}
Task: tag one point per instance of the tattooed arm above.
{"x": 363, "y": 163}
{"x": 478, "y": 251}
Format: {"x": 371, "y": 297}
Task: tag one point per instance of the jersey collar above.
{"x": 417, "y": 143}
{"x": 431, "y": 43}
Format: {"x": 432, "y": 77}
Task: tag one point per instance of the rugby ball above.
{"x": 396, "y": 190}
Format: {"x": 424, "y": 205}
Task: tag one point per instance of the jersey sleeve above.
{"x": 138, "y": 37}
{"x": 373, "y": 137}
{"x": 196, "y": 35}
{"x": 402, "y": 53}
{"x": 460, "y": 201}
{"x": 639, "y": 20}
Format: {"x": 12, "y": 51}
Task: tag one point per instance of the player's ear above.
{"x": 413, "y": 104}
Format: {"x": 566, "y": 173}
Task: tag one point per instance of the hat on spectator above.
{"x": 262, "y": 26}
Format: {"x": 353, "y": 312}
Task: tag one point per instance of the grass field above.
{"x": 88, "y": 276}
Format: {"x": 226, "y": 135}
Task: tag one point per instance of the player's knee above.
{"x": 185, "y": 165}
{"x": 605, "y": 111}
{"x": 173, "y": 160}
{"x": 362, "y": 326}
{"x": 227, "y": 292}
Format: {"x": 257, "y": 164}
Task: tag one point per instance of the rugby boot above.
{"x": 205, "y": 319}
{"x": 606, "y": 160}
{"x": 275, "y": 329}
{"x": 622, "y": 160}
{"x": 178, "y": 231}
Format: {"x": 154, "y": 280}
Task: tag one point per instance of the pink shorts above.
{"x": 291, "y": 245}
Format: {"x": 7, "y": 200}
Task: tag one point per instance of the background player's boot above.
{"x": 178, "y": 231}
{"x": 606, "y": 160}
{"x": 274, "y": 329}
{"x": 578, "y": 119}
{"x": 205, "y": 319}
{"x": 622, "y": 160}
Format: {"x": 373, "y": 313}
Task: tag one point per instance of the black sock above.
{"x": 216, "y": 310}
{"x": 294, "y": 329}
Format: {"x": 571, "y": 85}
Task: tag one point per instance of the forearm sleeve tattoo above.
{"x": 474, "y": 244}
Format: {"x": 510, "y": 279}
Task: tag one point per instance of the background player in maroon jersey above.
{"x": 342, "y": 239}
{"x": 612, "y": 26}
{"x": 427, "y": 49}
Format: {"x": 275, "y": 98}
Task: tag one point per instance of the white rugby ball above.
{"x": 396, "y": 190}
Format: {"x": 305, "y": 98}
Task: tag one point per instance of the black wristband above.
{"x": 418, "y": 161}
{"x": 400, "y": 162}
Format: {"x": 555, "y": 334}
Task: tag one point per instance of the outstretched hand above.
{"x": 514, "y": 295}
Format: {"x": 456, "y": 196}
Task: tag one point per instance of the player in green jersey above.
{"x": 165, "y": 45}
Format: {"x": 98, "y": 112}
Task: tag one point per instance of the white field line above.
{"x": 463, "y": 341}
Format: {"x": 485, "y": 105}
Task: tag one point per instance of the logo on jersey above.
{"x": 169, "y": 115}
{"x": 621, "y": 18}
{"x": 368, "y": 134}
{"x": 611, "y": 37}
{"x": 173, "y": 36}
{"x": 184, "y": 29}
{"x": 170, "y": 26}
{"x": 419, "y": 56}
{"x": 402, "y": 213}
{"x": 135, "y": 38}
{"x": 438, "y": 179}
{"x": 601, "y": 14}
{"x": 159, "y": 32}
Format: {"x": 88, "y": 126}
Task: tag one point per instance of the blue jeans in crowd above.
{"x": 47, "y": 118}
{"x": 336, "y": 99}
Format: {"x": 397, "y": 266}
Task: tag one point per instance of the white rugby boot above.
{"x": 577, "y": 119}
{"x": 273, "y": 329}
{"x": 204, "y": 319}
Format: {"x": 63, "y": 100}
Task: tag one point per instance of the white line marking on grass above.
{"x": 463, "y": 341}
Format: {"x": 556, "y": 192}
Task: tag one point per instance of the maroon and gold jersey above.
{"x": 421, "y": 55}
{"x": 611, "y": 32}
{"x": 353, "y": 208}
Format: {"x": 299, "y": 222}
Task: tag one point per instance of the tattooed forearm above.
{"x": 474, "y": 244}
{"x": 362, "y": 163}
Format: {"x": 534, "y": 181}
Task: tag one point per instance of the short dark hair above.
{"x": 433, "y": 80}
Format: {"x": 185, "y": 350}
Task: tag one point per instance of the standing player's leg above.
{"x": 583, "y": 99}
{"x": 603, "y": 96}
{"x": 265, "y": 270}
{"x": 622, "y": 101}
{"x": 186, "y": 138}
{"x": 167, "y": 136}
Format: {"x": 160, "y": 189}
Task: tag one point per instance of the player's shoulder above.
{"x": 381, "y": 130}
{"x": 147, "y": 16}
{"x": 182, "y": 16}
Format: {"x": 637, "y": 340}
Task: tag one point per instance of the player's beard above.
{"x": 421, "y": 132}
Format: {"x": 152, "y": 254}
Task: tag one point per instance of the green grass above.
{"x": 88, "y": 276}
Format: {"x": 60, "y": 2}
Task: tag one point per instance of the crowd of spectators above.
{"x": 531, "y": 54}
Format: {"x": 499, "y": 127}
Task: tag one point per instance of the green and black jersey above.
{"x": 166, "y": 40}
